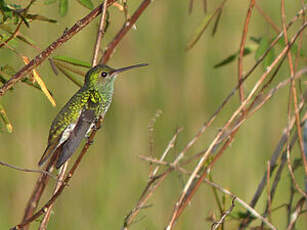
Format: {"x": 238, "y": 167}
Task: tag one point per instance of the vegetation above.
{"x": 209, "y": 136}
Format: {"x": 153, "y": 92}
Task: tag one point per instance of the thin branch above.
{"x": 43, "y": 225}
{"x": 151, "y": 186}
{"x": 293, "y": 89}
{"x": 151, "y": 135}
{"x": 27, "y": 170}
{"x": 242, "y": 46}
{"x": 71, "y": 172}
{"x": 100, "y": 33}
{"x": 13, "y": 35}
{"x": 269, "y": 201}
{"x": 267, "y": 18}
{"x": 67, "y": 35}
{"x": 170, "y": 145}
{"x": 38, "y": 191}
{"x": 296, "y": 213}
{"x": 126, "y": 27}
{"x": 222, "y": 219}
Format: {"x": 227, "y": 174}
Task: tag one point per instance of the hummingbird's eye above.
{"x": 104, "y": 74}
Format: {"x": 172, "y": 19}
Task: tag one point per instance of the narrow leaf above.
{"x": 203, "y": 26}
{"x": 216, "y": 23}
{"x": 40, "y": 18}
{"x": 231, "y": 58}
{"x": 63, "y": 7}
{"x": 41, "y": 83}
{"x": 70, "y": 76}
{"x": 226, "y": 60}
{"x": 5, "y": 120}
{"x": 69, "y": 68}
{"x": 199, "y": 31}
{"x": 87, "y": 3}
{"x": 73, "y": 61}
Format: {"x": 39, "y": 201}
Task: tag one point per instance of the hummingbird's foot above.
{"x": 65, "y": 31}
{"x": 90, "y": 142}
{"x": 96, "y": 128}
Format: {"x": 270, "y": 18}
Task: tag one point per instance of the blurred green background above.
{"x": 184, "y": 85}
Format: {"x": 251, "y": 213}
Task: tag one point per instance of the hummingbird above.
{"x": 79, "y": 115}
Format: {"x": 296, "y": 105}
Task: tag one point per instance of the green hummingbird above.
{"x": 76, "y": 119}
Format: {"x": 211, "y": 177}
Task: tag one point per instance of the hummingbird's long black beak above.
{"x": 116, "y": 71}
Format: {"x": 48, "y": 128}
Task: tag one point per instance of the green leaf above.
{"x": 263, "y": 46}
{"x": 226, "y": 60}
{"x": 87, "y": 3}
{"x": 231, "y": 58}
{"x": 48, "y": 2}
{"x": 63, "y": 7}
{"x": 72, "y": 61}
{"x": 216, "y": 23}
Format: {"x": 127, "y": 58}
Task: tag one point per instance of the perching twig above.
{"x": 44, "y": 222}
{"x": 71, "y": 172}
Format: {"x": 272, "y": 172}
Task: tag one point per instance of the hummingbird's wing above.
{"x": 86, "y": 120}
{"x": 64, "y": 123}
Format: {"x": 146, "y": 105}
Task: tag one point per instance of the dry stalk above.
{"x": 123, "y": 31}
{"x": 222, "y": 219}
{"x": 28, "y": 170}
{"x": 242, "y": 46}
{"x": 293, "y": 88}
{"x": 44, "y": 222}
{"x": 100, "y": 33}
{"x": 296, "y": 213}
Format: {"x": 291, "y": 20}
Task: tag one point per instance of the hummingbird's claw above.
{"x": 90, "y": 142}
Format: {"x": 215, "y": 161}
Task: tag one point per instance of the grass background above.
{"x": 184, "y": 85}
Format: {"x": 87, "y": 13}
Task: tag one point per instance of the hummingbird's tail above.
{"x": 48, "y": 152}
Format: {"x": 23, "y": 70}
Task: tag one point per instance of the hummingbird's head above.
{"x": 102, "y": 76}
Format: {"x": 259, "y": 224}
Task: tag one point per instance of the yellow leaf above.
{"x": 40, "y": 82}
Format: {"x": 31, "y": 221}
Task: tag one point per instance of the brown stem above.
{"x": 242, "y": 45}
{"x": 293, "y": 89}
{"x": 71, "y": 172}
{"x": 44, "y": 223}
{"x": 99, "y": 34}
{"x": 126, "y": 27}
{"x": 38, "y": 192}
